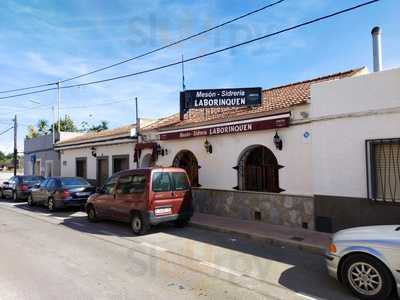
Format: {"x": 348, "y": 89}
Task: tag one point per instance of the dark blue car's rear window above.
{"x": 31, "y": 179}
{"x": 74, "y": 182}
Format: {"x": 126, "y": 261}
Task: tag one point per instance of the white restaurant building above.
{"x": 311, "y": 155}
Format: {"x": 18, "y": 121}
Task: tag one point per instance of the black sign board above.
{"x": 219, "y": 98}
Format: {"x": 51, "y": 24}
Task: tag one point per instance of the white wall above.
{"x": 69, "y": 156}
{"x": 355, "y": 94}
{"x": 216, "y": 168}
{"x": 338, "y": 149}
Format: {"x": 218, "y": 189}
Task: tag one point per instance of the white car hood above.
{"x": 369, "y": 233}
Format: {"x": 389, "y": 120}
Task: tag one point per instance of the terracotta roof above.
{"x": 91, "y": 136}
{"x": 163, "y": 122}
{"x": 273, "y": 99}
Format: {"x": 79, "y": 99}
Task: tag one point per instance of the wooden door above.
{"x": 102, "y": 171}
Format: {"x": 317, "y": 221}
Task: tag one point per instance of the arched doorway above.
{"x": 258, "y": 170}
{"x": 186, "y": 160}
{"x": 147, "y": 161}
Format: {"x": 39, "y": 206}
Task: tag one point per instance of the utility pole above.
{"x": 58, "y": 107}
{"x": 53, "y": 125}
{"x": 137, "y": 127}
{"x": 137, "y": 118}
{"x": 15, "y": 146}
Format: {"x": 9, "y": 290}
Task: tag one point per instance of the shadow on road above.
{"x": 42, "y": 209}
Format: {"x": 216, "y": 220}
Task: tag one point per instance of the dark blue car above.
{"x": 61, "y": 192}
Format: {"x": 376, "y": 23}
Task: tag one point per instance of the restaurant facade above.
{"x": 296, "y": 155}
{"x": 249, "y": 162}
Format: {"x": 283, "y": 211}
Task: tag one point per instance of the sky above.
{"x": 45, "y": 41}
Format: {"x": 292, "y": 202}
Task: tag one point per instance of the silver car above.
{"x": 367, "y": 260}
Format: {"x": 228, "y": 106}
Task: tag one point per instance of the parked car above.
{"x": 61, "y": 192}
{"x": 17, "y": 187}
{"x": 144, "y": 197}
{"x": 367, "y": 260}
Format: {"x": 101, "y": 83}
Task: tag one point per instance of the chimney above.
{"x": 377, "y": 48}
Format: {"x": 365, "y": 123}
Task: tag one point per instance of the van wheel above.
{"x": 139, "y": 224}
{"x": 14, "y": 197}
{"x": 180, "y": 223}
{"x": 91, "y": 214}
{"x": 367, "y": 277}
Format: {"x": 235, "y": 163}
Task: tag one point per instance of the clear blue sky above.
{"x": 42, "y": 41}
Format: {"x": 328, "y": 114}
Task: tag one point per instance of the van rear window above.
{"x": 161, "y": 182}
{"x": 180, "y": 181}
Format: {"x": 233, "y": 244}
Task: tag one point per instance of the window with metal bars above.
{"x": 258, "y": 170}
{"x": 383, "y": 170}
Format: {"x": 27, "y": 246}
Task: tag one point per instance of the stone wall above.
{"x": 279, "y": 209}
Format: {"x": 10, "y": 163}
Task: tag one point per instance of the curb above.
{"x": 311, "y": 248}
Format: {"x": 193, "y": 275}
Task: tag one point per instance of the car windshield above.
{"x": 74, "y": 182}
{"x": 32, "y": 179}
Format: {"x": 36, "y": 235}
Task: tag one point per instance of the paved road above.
{"x": 62, "y": 256}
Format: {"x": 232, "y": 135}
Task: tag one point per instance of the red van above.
{"x": 143, "y": 197}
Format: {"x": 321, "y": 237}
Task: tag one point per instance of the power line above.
{"x": 28, "y": 88}
{"x": 202, "y": 55}
{"x": 152, "y": 51}
{"x": 176, "y": 42}
{"x": 7, "y": 130}
{"x": 71, "y": 107}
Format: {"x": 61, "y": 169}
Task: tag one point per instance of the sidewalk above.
{"x": 307, "y": 240}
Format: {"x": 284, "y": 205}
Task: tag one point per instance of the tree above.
{"x": 102, "y": 126}
{"x": 6, "y": 158}
{"x": 2, "y": 156}
{"x": 85, "y": 127}
{"x": 43, "y": 127}
{"x": 32, "y": 132}
{"x": 66, "y": 125}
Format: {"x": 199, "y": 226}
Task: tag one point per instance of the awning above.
{"x": 262, "y": 123}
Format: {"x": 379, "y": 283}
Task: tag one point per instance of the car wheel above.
{"x": 1, "y": 194}
{"x": 139, "y": 224}
{"x": 91, "y": 214}
{"x": 367, "y": 277}
{"x": 51, "y": 205}
{"x": 30, "y": 200}
{"x": 14, "y": 196}
{"x": 180, "y": 223}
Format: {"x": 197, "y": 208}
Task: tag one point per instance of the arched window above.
{"x": 258, "y": 170}
{"x": 147, "y": 161}
{"x": 186, "y": 160}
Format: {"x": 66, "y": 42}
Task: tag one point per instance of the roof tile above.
{"x": 273, "y": 99}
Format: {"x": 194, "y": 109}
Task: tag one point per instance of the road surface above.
{"x": 62, "y": 256}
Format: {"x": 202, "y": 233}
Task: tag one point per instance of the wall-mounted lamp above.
{"x": 278, "y": 141}
{"x": 94, "y": 153}
{"x": 161, "y": 151}
{"x": 208, "y": 146}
